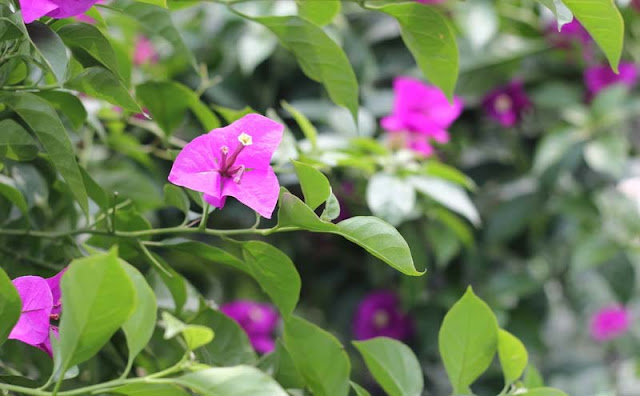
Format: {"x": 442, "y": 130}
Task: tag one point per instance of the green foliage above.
{"x": 10, "y": 306}
{"x": 513, "y": 356}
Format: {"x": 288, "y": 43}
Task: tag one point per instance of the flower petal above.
{"x": 35, "y": 9}
{"x": 69, "y": 8}
{"x": 258, "y": 189}
{"x": 218, "y": 202}
{"x": 196, "y": 165}
{"x": 56, "y": 294}
{"x": 266, "y": 135}
{"x": 33, "y": 326}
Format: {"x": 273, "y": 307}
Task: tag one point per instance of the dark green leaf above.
{"x": 10, "y": 306}
{"x": 68, "y": 104}
{"x": 87, "y": 40}
{"x": 50, "y": 47}
{"x": 100, "y": 83}
{"x": 175, "y": 196}
{"x": 11, "y": 192}
{"x": 144, "y": 389}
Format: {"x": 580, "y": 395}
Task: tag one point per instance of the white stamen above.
{"x": 245, "y": 139}
{"x": 224, "y": 150}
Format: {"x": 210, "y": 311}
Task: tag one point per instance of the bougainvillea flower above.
{"x": 609, "y": 323}
{"x": 379, "y": 315}
{"x": 600, "y": 77}
{"x": 258, "y": 320}
{"x": 41, "y": 301}
{"x": 34, "y": 9}
{"x": 506, "y": 104}
{"x": 571, "y": 35}
{"x": 421, "y": 113}
{"x": 233, "y": 161}
{"x": 144, "y": 52}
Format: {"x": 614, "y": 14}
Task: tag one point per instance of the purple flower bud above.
{"x": 609, "y": 323}
{"x": 258, "y": 320}
{"x": 507, "y": 103}
{"x": 379, "y": 315}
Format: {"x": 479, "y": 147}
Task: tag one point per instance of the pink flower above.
{"x": 34, "y": 9}
{"x": 600, "y": 77}
{"x": 379, "y": 315}
{"x": 570, "y": 36}
{"x": 420, "y": 113}
{"x": 145, "y": 52}
{"x": 258, "y": 320}
{"x": 41, "y": 301}
{"x": 233, "y": 161}
{"x": 609, "y": 323}
{"x": 507, "y": 103}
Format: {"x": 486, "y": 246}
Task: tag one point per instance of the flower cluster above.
{"x": 41, "y": 302}
{"x": 233, "y": 161}
{"x": 258, "y": 320}
{"x": 421, "y": 114}
{"x": 379, "y": 315}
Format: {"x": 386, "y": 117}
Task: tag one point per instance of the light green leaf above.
{"x": 98, "y": 298}
{"x": 138, "y": 329}
{"x": 320, "y": 58}
{"x": 332, "y": 208}
{"x": 159, "y": 3}
{"x": 89, "y": 46}
{"x": 562, "y": 13}
{"x": 49, "y": 45}
{"x": 144, "y": 389}
{"x": 318, "y": 356}
{"x": 427, "y": 34}
{"x": 513, "y": 356}
{"x": 467, "y": 341}
{"x": 305, "y": 125}
{"x": 393, "y": 365}
{"x": 319, "y": 12}
{"x": 293, "y": 212}
{"x": 195, "y": 336}
{"x": 604, "y": 23}
{"x": 532, "y": 378}
{"x": 360, "y": 391}
{"x": 10, "y": 306}
{"x": 227, "y": 381}
{"x": 168, "y": 103}
{"x": 315, "y": 186}
{"x": 447, "y": 194}
{"x": 231, "y": 344}
{"x": 44, "y": 121}
{"x": 100, "y": 83}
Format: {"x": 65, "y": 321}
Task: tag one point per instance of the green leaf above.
{"x": 9, "y": 190}
{"x": 144, "y": 389}
{"x": 393, "y": 365}
{"x": 236, "y": 381}
{"x": 10, "y": 306}
{"x": 195, "y": 336}
{"x": 270, "y": 267}
{"x": 49, "y": 45}
{"x": 293, "y": 212}
{"x": 448, "y": 195}
{"x": 68, "y": 104}
{"x": 319, "y": 12}
{"x": 90, "y": 46}
{"x": 427, "y": 34}
{"x": 315, "y": 186}
{"x": 467, "y": 341}
{"x": 285, "y": 371}
{"x": 532, "y": 378}
{"x": 168, "y": 103}
{"x": 175, "y": 196}
{"x": 320, "y": 58}
{"x": 513, "y": 356}
{"x": 604, "y": 23}
{"x": 305, "y": 125}
{"x": 138, "y": 329}
{"x": 318, "y": 356}
{"x": 381, "y": 240}
{"x": 100, "y": 83}
{"x": 331, "y": 209}
{"x": 231, "y": 345}
{"x": 543, "y": 392}
{"x": 16, "y": 138}
{"x": 159, "y": 3}
{"x": 562, "y": 13}
{"x": 232, "y": 115}
{"x": 98, "y": 298}
{"x": 360, "y": 391}
{"x": 44, "y": 121}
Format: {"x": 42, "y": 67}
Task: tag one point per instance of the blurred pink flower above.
{"x": 600, "y": 77}
{"x": 34, "y": 9}
{"x": 507, "y": 103}
{"x": 420, "y": 113}
{"x": 258, "y": 320}
{"x": 379, "y": 315}
{"x": 609, "y": 323}
{"x": 233, "y": 161}
{"x": 144, "y": 52}
{"x": 572, "y": 35}
{"x": 41, "y": 301}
